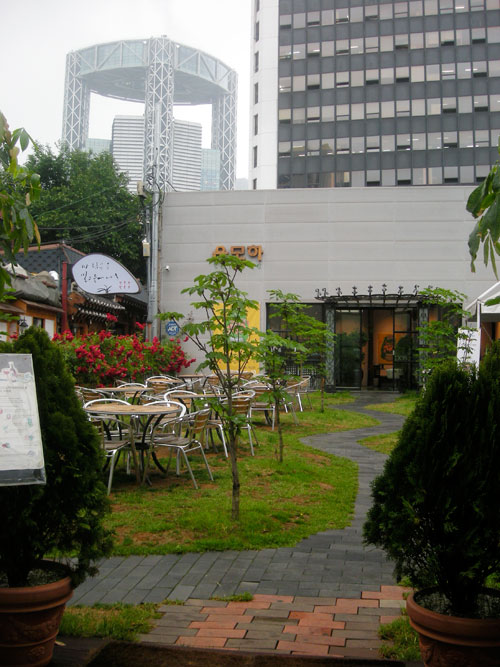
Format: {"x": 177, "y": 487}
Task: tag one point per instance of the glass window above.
{"x": 313, "y": 49}
{"x": 387, "y": 75}
{"x": 419, "y": 141}
{"x": 482, "y": 138}
{"x": 432, "y": 72}
{"x": 284, "y": 149}
{"x": 467, "y": 174}
{"x": 342, "y": 15}
{"x": 403, "y": 142}
{"x": 327, "y": 48}
{"x": 256, "y": 124}
{"x": 387, "y": 43}
{"x": 495, "y": 102}
{"x": 299, "y": 148}
{"x": 400, "y": 9}
{"x": 430, "y": 7}
{"x": 342, "y": 79}
{"x": 256, "y": 32}
{"x": 480, "y": 102}
{"x": 465, "y": 104}
{"x": 313, "y": 147}
{"x": 357, "y": 78}
{"x": 255, "y": 156}
{"x": 416, "y": 40}
{"x": 461, "y": 5}
{"x": 416, "y": 8}
{"x": 356, "y": 15}
{"x": 479, "y": 69}
{"x": 358, "y": 179}
{"x": 418, "y": 107}
{"x": 385, "y": 12}
{"x": 357, "y": 46}
{"x": 476, "y": 5}
{"x": 286, "y": 21}
{"x": 313, "y": 114}
{"x": 313, "y": 81}
{"x": 464, "y": 70}
{"x": 284, "y": 115}
{"x": 402, "y": 73}
{"x": 451, "y": 174}
{"x": 299, "y": 115}
{"x": 299, "y": 51}
{"x": 342, "y": 111}
{"x": 434, "y": 106}
{"x": 435, "y": 175}
{"x": 447, "y": 37}
{"x": 357, "y": 111}
{"x": 388, "y": 109}
{"x": 372, "y": 110}
{"x": 401, "y": 41}
{"x": 403, "y": 108}
{"x": 493, "y": 35}
{"x": 449, "y": 104}
{"x": 342, "y": 145}
{"x": 478, "y": 35}
{"x": 463, "y": 37}
{"x": 431, "y": 40}
{"x": 328, "y": 113}
{"x": 419, "y": 176}
{"x": 388, "y": 177}
{"x": 256, "y": 61}
{"x": 256, "y": 93}
{"x": 328, "y": 80}
{"x": 450, "y": 140}
{"x": 327, "y": 17}
{"x": 313, "y": 18}
{"x": 372, "y": 177}
{"x": 299, "y": 20}
{"x": 417, "y": 73}
{"x": 446, "y": 6}
{"x": 434, "y": 140}
{"x": 371, "y": 44}
{"x": 494, "y": 68}
{"x": 285, "y": 84}
{"x": 372, "y": 144}
{"x": 388, "y": 143}
{"x": 448, "y": 71}
{"x": 466, "y": 139}
{"x": 327, "y": 146}
{"x": 372, "y": 76}
{"x": 404, "y": 176}
{"x": 371, "y": 12}
{"x": 358, "y": 144}
{"x": 342, "y": 46}
{"x": 299, "y": 83}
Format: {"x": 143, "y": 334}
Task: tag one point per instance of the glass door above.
{"x": 348, "y": 349}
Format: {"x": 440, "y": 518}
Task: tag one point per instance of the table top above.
{"x": 122, "y": 390}
{"x": 128, "y": 409}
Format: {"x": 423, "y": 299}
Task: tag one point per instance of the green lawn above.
{"x": 403, "y": 405}
{"x": 309, "y": 492}
{"x": 381, "y": 443}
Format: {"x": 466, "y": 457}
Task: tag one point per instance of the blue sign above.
{"x": 172, "y": 328}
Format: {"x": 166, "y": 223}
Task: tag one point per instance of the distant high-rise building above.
{"x": 97, "y": 146}
{"x": 127, "y": 147}
{"x": 161, "y": 74}
{"x": 374, "y": 92}
{"x": 210, "y": 169}
{"x": 186, "y": 170}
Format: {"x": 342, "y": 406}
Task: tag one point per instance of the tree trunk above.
{"x": 232, "y": 442}
{"x": 280, "y": 431}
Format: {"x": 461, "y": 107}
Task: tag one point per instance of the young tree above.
{"x": 19, "y": 187}
{"x": 226, "y": 341}
{"x": 85, "y": 202}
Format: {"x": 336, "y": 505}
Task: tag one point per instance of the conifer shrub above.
{"x": 436, "y": 504}
{"x": 63, "y": 517}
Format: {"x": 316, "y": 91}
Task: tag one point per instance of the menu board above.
{"x": 21, "y": 451}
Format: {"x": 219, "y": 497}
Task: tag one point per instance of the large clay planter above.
{"x": 29, "y": 622}
{"x": 453, "y": 641}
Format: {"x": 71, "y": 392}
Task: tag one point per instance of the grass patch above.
{"x": 310, "y": 491}
{"x": 384, "y": 443}
{"x": 403, "y": 405}
{"x": 116, "y": 621}
{"x": 403, "y": 640}
{"x": 241, "y": 597}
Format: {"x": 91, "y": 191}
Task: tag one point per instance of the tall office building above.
{"x": 186, "y": 171}
{"x": 210, "y": 169}
{"x": 127, "y": 147}
{"x": 374, "y": 92}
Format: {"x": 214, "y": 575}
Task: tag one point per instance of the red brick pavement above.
{"x": 284, "y": 624}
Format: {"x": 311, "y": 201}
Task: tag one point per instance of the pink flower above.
{"x": 111, "y": 318}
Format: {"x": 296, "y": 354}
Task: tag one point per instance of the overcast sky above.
{"x": 37, "y": 35}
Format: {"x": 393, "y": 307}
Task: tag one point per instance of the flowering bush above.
{"x": 98, "y": 359}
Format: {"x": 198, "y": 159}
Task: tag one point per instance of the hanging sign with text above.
{"x": 21, "y": 451}
{"x": 100, "y": 274}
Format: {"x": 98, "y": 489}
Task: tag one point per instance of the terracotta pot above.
{"x": 454, "y": 641}
{"x": 29, "y": 622}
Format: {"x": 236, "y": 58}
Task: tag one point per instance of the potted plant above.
{"x": 436, "y": 513}
{"x": 60, "y": 520}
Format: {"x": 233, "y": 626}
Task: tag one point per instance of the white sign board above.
{"x": 21, "y": 451}
{"x": 100, "y": 274}
{"x": 469, "y": 346}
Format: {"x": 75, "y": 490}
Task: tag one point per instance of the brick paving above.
{"x": 326, "y": 596}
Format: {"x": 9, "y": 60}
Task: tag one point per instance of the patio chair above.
{"x": 187, "y": 398}
{"x": 195, "y": 424}
{"x": 85, "y": 394}
{"x": 242, "y": 405}
{"x": 260, "y": 404}
{"x": 157, "y": 385}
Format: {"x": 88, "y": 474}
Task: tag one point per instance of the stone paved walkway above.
{"x": 325, "y": 596}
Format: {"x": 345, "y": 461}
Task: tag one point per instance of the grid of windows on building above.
{"x": 386, "y": 93}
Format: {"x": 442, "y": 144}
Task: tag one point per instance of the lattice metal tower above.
{"x": 160, "y": 73}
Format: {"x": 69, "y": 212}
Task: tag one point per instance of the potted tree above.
{"x": 60, "y": 520}
{"x": 435, "y": 513}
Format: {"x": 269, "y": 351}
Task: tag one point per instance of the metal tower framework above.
{"x": 160, "y": 73}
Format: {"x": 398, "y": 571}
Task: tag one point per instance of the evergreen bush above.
{"x": 436, "y": 504}
{"x": 63, "y": 517}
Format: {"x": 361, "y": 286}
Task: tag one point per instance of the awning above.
{"x": 487, "y": 313}
{"x": 43, "y": 306}
{"x": 8, "y": 308}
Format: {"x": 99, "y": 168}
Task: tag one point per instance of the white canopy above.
{"x": 484, "y": 313}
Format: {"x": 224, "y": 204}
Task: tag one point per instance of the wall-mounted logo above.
{"x": 253, "y": 251}
{"x": 100, "y": 274}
